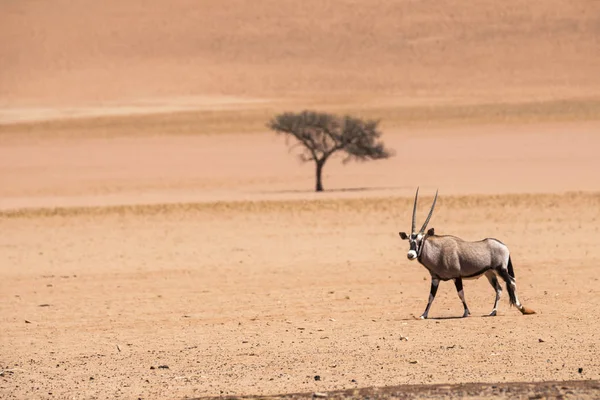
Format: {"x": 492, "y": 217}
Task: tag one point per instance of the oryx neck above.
{"x": 425, "y": 237}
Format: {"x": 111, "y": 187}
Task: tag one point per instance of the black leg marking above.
{"x": 458, "y": 284}
{"x": 434, "y": 287}
{"x": 508, "y": 274}
{"x": 461, "y": 294}
{"x": 491, "y": 276}
{"x": 510, "y": 286}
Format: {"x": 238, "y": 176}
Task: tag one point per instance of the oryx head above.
{"x": 416, "y": 238}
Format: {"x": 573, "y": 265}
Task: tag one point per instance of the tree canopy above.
{"x": 320, "y": 135}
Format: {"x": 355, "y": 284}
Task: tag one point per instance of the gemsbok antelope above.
{"x": 449, "y": 257}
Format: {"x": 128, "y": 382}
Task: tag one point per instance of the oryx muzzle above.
{"x": 449, "y": 257}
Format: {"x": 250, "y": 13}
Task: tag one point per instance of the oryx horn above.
{"x": 430, "y": 213}
{"x": 414, "y": 212}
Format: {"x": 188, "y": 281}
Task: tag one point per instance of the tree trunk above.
{"x": 320, "y": 164}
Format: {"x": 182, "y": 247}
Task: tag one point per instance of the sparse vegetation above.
{"x": 321, "y": 135}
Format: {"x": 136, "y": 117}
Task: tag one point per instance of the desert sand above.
{"x": 159, "y": 242}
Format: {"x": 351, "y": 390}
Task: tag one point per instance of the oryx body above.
{"x": 452, "y": 258}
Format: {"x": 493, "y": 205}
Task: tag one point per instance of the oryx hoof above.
{"x": 466, "y": 314}
{"x": 423, "y": 316}
{"x": 492, "y": 314}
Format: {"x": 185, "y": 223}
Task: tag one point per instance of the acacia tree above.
{"x": 320, "y": 135}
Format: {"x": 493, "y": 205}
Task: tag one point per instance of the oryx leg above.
{"x": 434, "y": 287}
{"x": 511, "y": 288}
{"x": 491, "y": 276}
{"x": 461, "y": 294}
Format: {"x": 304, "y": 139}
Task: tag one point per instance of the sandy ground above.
{"x": 259, "y": 298}
{"x": 158, "y": 242}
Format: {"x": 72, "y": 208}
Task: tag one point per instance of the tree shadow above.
{"x": 340, "y": 190}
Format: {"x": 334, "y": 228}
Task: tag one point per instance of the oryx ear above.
{"x": 430, "y": 232}
{"x": 403, "y": 235}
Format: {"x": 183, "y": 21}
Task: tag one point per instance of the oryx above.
{"x": 449, "y": 257}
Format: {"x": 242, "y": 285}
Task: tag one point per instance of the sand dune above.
{"x": 59, "y": 53}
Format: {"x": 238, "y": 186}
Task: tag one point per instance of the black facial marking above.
{"x": 413, "y": 245}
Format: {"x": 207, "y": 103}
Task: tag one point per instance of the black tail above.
{"x": 508, "y": 275}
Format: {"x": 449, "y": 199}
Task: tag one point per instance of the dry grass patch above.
{"x": 254, "y": 119}
{"x": 575, "y": 201}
